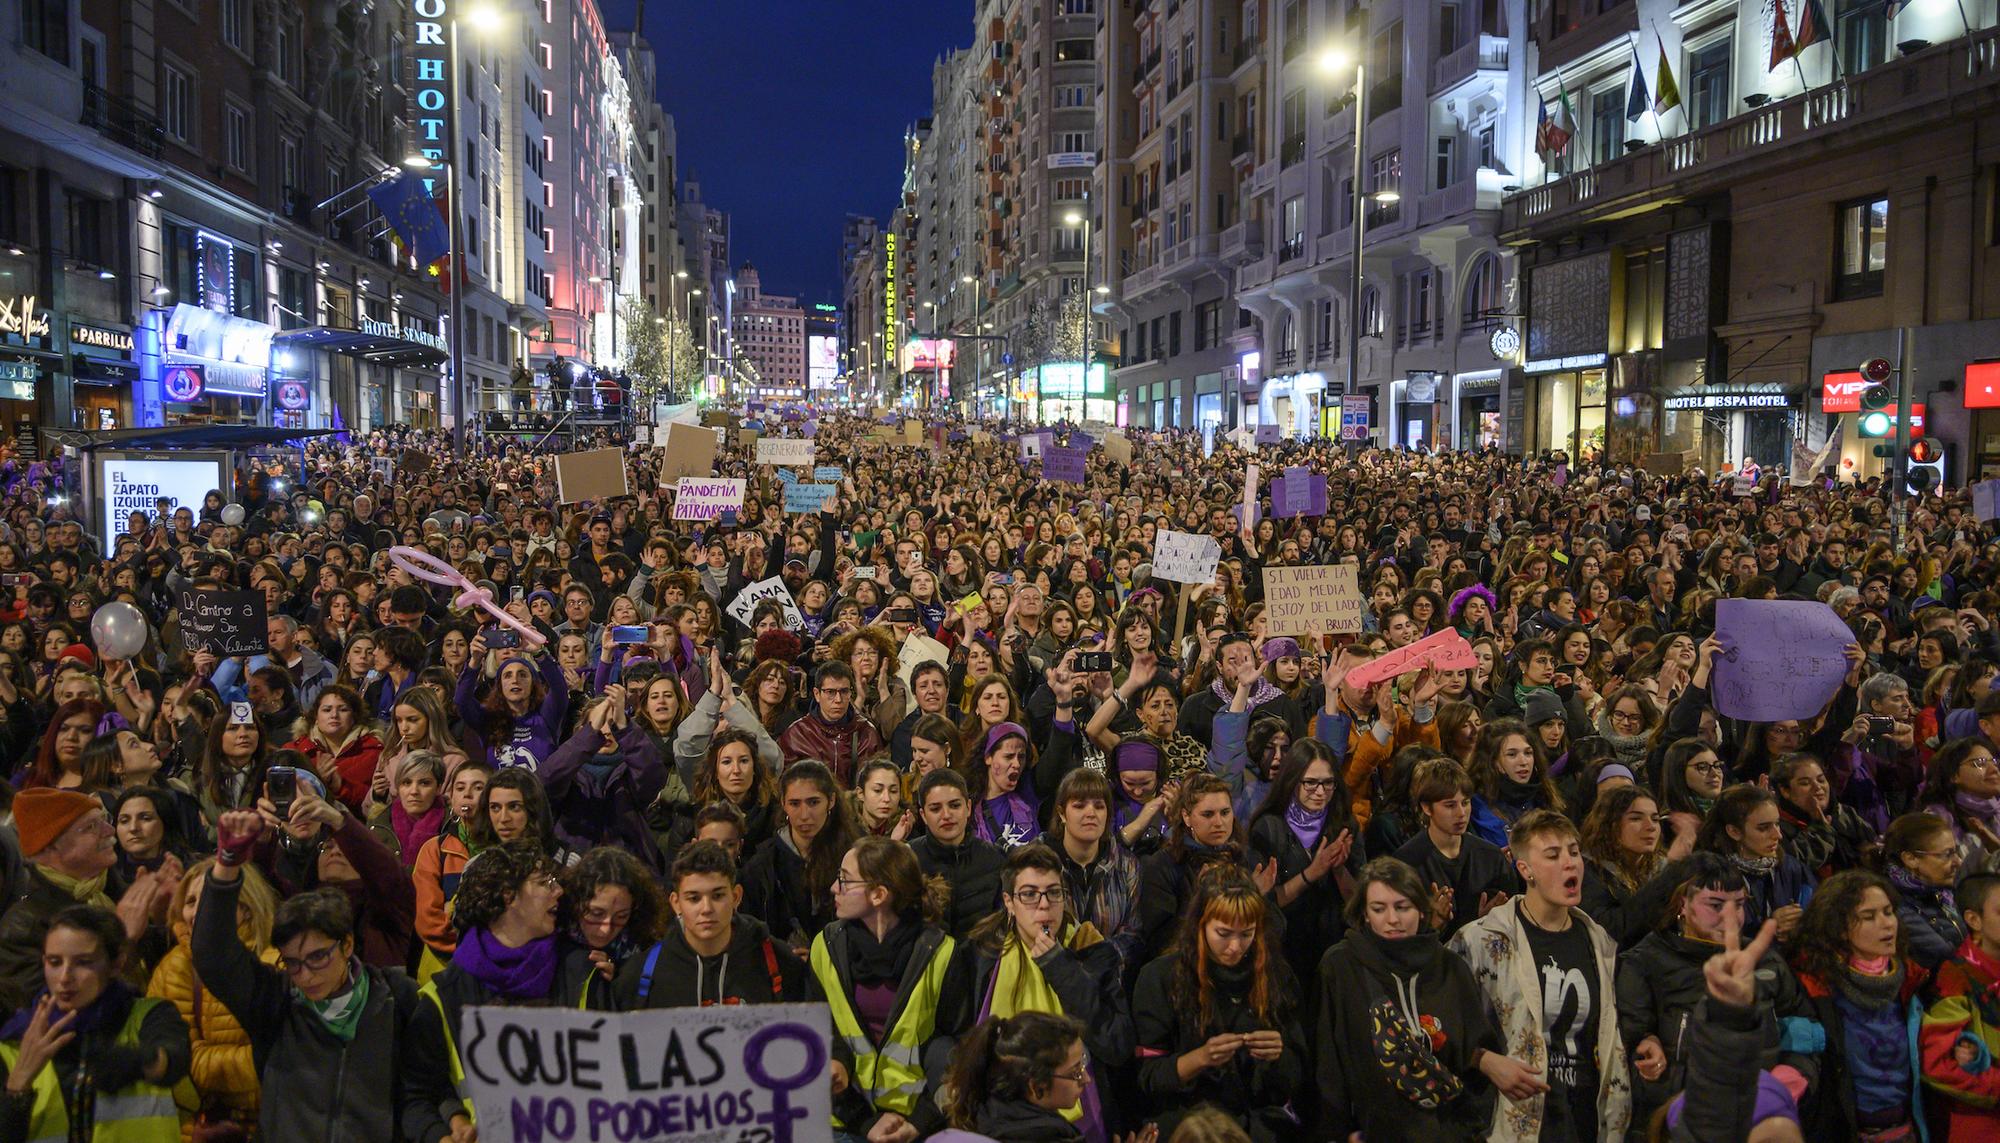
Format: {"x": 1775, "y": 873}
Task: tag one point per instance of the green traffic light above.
{"x": 1876, "y": 424}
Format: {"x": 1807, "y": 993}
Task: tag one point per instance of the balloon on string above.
{"x": 232, "y": 514}
{"x": 429, "y": 568}
{"x": 118, "y": 630}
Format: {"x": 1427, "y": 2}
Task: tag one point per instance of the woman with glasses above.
{"x": 1036, "y": 956}
{"x": 1691, "y": 779}
{"x": 1306, "y": 825}
{"x": 614, "y": 908}
{"x": 1921, "y": 858}
{"x": 1962, "y": 788}
{"x": 320, "y": 1011}
{"x": 1217, "y": 1016}
{"x": 508, "y": 908}
{"x": 1627, "y": 874}
{"x": 1743, "y": 828}
{"x": 1014, "y": 1080}
{"x": 1626, "y": 723}
{"x": 898, "y": 988}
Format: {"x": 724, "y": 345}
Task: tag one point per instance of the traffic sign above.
{"x": 1354, "y": 417}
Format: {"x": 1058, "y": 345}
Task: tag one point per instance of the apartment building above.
{"x": 586, "y": 169}
{"x": 1704, "y": 277}
{"x": 863, "y": 250}
{"x": 654, "y": 183}
{"x": 705, "y": 241}
{"x": 770, "y": 331}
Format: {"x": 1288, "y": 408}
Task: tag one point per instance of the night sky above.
{"x": 791, "y": 114}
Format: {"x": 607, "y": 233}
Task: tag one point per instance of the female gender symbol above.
{"x": 429, "y": 568}
{"x": 782, "y": 1112}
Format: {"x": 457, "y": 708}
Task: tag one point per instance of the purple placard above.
{"x": 1299, "y": 492}
{"x": 1269, "y": 434}
{"x": 811, "y": 429}
{"x": 1063, "y": 464}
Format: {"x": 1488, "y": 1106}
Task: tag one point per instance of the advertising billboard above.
{"x": 929, "y": 354}
{"x": 822, "y": 361}
{"x": 125, "y": 483}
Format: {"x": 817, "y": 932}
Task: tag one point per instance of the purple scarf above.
{"x": 1010, "y": 819}
{"x": 525, "y": 973}
{"x": 1306, "y": 827}
{"x": 1262, "y": 693}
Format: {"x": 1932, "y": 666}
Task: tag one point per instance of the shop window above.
{"x": 1863, "y": 248}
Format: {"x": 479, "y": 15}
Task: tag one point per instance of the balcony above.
{"x": 121, "y": 121}
{"x": 1192, "y": 258}
{"x": 1255, "y": 274}
{"x": 1240, "y": 146}
{"x": 1295, "y": 44}
{"x": 1139, "y": 283}
{"x": 1242, "y": 243}
{"x": 1482, "y": 53}
{"x": 1462, "y": 197}
{"x": 1265, "y": 176}
{"x": 1246, "y": 50}
{"x": 1873, "y": 104}
{"x": 1293, "y": 249}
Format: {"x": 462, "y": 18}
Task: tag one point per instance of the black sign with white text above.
{"x": 225, "y": 623}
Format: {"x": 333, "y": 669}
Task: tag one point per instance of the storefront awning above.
{"x": 175, "y": 437}
{"x": 377, "y": 348}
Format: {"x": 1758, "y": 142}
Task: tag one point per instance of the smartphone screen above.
{"x": 628, "y": 635}
{"x": 520, "y": 593}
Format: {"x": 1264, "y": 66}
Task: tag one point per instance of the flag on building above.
{"x": 1636, "y": 98}
{"x": 1668, "y": 92}
{"x": 1551, "y": 136}
{"x": 1813, "y": 27}
{"x": 1564, "y": 128}
{"x": 1891, "y": 7}
{"x": 1782, "y": 47}
{"x": 414, "y": 214}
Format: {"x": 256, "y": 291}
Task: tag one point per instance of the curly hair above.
{"x": 1463, "y": 595}
{"x": 492, "y": 880}
{"x": 876, "y": 637}
{"x": 1821, "y": 941}
{"x": 609, "y": 866}
{"x": 1012, "y": 1058}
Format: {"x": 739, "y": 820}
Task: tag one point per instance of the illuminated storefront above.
{"x": 1058, "y": 392}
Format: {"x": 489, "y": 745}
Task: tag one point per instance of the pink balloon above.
{"x": 429, "y": 568}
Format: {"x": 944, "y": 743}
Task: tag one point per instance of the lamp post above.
{"x": 1333, "y": 61}
{"x": 1077, "y": 218}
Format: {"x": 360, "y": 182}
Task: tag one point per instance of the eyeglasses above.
{"x": 1080, "y": 1075}
{"x": 1317, "y": 783}
{"x": 1706, "y": 767}
{"x": 1034, "y": 897}
{"x": 836, "y": 692}
{"x": 1626, "y": 716}
{"x": 313, "y": 961}
{"x": 1949, "y": 855}
{"x": 841, "y": 882}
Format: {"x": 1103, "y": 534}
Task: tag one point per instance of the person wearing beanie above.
{"x": 70, "y": 849}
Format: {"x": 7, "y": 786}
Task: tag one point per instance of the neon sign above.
{"x": 431, "y": 55}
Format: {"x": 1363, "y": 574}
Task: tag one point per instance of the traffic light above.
{"x": 1926, "y": 467}
{"x": 1876, "y": 420}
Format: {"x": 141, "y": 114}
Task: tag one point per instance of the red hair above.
{"x": 45, "y": 770}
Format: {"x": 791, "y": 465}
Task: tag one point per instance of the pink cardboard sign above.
{"x": 1446, "y": 650}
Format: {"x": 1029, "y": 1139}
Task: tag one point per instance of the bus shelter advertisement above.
{"x": 722, "y": 1074}
{"x": 128, "y": 484}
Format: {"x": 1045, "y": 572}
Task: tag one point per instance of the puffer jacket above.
{"x": 347, "y": 768}
{"x": 224, "y": 1068}
{"x": 435, "y": 876}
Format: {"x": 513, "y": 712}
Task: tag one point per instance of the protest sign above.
{"x": 1268, "y": 434}
{"x": 224, "y": 623}
{"x": 1117, "y": 449}
{"x": 688, "y": 450}
{"x": 1299, "y": 492}
{"x": 706, "y": 497}
{"x": 918, "y": 649}
{"x": 720, "y": 1074}
{"x": 1447, "y": 651}
{"x": 828, "y": 474}
{"x": 1031, "y": 446}
{"x": 784, "y": 451}
{"x": 1247, "y": 516}
{"x": 642, "y": 434}
{"x": 800, "y": 498}
{"x": 413, "y": 462}
{"x": 1185, "y": 557}
{"x": 1986, "y": 500}
{"x": 1065, "y": 464}
{"x": 595, "y": 475}
{"x": 1320, "y": 600}
{"x": 772, "y": 589}
{"x": 718, "y": 418}
{"x": 746, "y": 439}
{"x": 913, "y": 432}
{"x": 787, "y": 476}
{"x": 1780, "y": 658}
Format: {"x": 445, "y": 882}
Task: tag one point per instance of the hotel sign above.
{"x": 18, "y": 317}
{"x": 430, "y": 54}
{"x": 1724, "y": 399}
{"x": 421, "y": 336}
{"x": 890, "y": 328}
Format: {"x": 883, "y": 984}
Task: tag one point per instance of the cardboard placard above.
{"x": 1117, "y": 449}
{"x": 1305, "y": 601}
{"x": 1447, "y": 651}
{"x": 784, "y": 451}
{"x": 688, "y": 450}
{"x": 413, "y": 463}
{"x": 1185, "y": 557}
{"x": 595, "y": 475}
{"x": 225, "y": 623}
{"x": 746, "y": 439}
{"x": 808, "y": 498}
{"x": 918, "y": 649}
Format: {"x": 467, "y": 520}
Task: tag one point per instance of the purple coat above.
{"x": 601, "y": 799}
{"x": 534, "y": 734}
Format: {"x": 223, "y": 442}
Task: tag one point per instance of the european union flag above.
{"x": 411, "y": 210}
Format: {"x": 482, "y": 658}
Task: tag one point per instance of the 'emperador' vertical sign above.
{"x": 432, "y": 56}
{"x": 891, "y": 332}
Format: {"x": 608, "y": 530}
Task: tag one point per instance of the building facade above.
{"x": 770, "y": 333}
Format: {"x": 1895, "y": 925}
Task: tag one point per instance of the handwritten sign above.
{"x": 225, "y": 623}
{"x": 1247, "y": 514}
{"x": 1268, "y": 433}
{"x": 918, "y": 649}
{"x": 828, "y": 474}
{"x": 787, "y": 476}
{"x": 784, "y": 451}
{"x": 1117, "y": 449}
{"x": 775, "y": 591}
{"x": 1064, "y": 464}
{"x": 706, "y": 497}
{"x": 1185, "y": 557}
{"x": 800, "y": 498}
{"x": 1299, "y": 492}
{"x": 1446, "y": 650}
{"x": 1781, "y": 658}
{"x": 1318, "y": 600}
{"x": 1032, "y": 445}
{"x": 718, "y": 1074}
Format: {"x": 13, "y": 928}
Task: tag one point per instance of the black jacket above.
{"x": 1660, "y": 986}
{"x": 972, "y": 869}
{"x": 350, "y": 1091}
{"x": 1313, "y": 921}
{"x": 1197, "y": 719}
{"x": 1089, "y": 983}
{"x": 1253, "y": 1092}
{"x": 754, "y": 969}
{"x": 1725, "y": 1045}
{"x": 1355, "y": 1093}
{"x": 775, "y": 892}
{"x": 1627, "y": 914}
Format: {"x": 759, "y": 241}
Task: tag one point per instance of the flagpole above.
{"x": 1639, "y": 65}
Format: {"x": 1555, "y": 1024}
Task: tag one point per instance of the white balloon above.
{"x": 232, "y": 514}
{"x": 118, "y": 630}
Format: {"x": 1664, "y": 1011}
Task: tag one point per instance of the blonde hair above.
{"x": 257, "y": 898}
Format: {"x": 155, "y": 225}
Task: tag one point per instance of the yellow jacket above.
{"x": 223, "y": 1070}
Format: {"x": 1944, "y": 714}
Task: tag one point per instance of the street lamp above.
{"x": 1332, "y": 62}
{"x": 1072, "y": 219}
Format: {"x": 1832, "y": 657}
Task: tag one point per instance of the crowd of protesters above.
{"x": 1067, "y": 850}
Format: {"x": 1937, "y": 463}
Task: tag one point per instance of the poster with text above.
{"x": 129, "y": 485}
{"x": 1304, "y": 601}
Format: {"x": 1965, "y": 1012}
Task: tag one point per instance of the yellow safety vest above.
{"x": 142, "y": 1113}
{"x": 429, "y": 992}
{"x": 892, "y": 1075}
